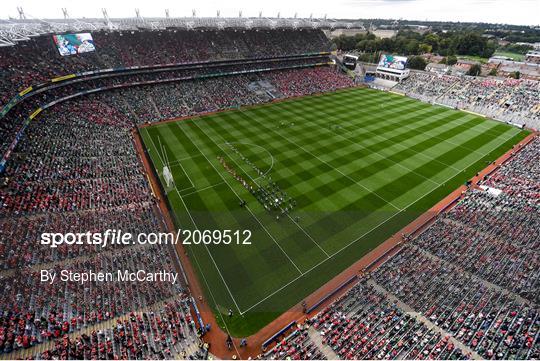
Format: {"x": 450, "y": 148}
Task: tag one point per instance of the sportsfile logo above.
{"x": 119, "y": 237}
{"x": 109, "y": 237}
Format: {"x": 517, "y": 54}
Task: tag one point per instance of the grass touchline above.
{"x": 360, "y": 172}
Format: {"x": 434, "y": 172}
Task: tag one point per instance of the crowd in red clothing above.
{"x": 521, "y": 177}
{"x": 318, "y": 80}
{"x": 37, "y": 60}
{"x": 35, "y": 311}
{"x": 480, "y": 263}
{"x": 296, "y": 346}
{"x": 76, "y": 170}
{"x": 166, "y": 332}
{"x": 365, "y": 324}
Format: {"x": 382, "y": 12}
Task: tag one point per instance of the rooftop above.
{"x": 15, "y": 30}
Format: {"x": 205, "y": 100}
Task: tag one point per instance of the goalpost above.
{"x": 167, "y": 175}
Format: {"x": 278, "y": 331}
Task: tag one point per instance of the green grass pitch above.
{"x": 359, "y": 163}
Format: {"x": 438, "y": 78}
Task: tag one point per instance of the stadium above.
{"x": 234, "y": 188}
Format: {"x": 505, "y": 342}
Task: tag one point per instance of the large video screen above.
{"x": 393, "y": 62}
{"x": 71, "y": 44}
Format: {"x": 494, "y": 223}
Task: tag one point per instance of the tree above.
{"x": 475, "y": 70}
{"x": 515, "y": 75}
{"x": 432, "y": 40}
{"x": 451, "y": 60}
{"x": 489, "y": 49}
{"x": 443, "y": 61}
{"x": 493, "y": 72}
{"x": 417, "y": 62}
{"x": 470, "y": 44}
{"x": 424, "y": 48}
{"x": 412, "y": 46}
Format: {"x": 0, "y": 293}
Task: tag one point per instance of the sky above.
{"x": 522, "y": 12}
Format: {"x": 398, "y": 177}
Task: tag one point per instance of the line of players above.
{"x": 270, "y": 196}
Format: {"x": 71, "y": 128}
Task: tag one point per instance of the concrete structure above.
{"x": 527, "y": 70}
{"x": 383, "y": 33}
{"x": 438, "y": 68}
{"x": 347, "y": 32}
{"x": 533, "y": 56}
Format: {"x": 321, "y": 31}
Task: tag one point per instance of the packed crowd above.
{"x": 37, "y": 60}
{"x": 76, "y": 170}
{"x": 516, "y": 101}
{"x": 53, "y": 309}
{"x": 467, "y": 286}
{"x": 165, "y": 101}
{"x": 521, "y": 177}
{"x": 12, "y": 121}
{"x": 297, "y": 346}
{"x": 366, "y": 324}
{"x": 166, "y": 332}
{"x": 489, "y": 320}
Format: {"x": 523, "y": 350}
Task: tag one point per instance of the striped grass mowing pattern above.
{"x": 359, "y": 163}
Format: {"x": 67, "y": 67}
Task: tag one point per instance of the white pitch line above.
{"x": 373, "y": 152}
{"x": 254, "y": 216}
{"x": 288, "y": 215}
{"x": 254, "y": 145}
{"x": 206, "y": 282}
{"x": 479, "y": 129}
{"x": 380, "y": 136}
{"x": 154, "y": 144}
{"x": 209, "y": 253}
{"x": 187, "y": 175}
{"x": 363, "y": 235}
{"x": 178, "y": 160}
{"x": 202, "y": 189}
{"x": 313, "y": 155}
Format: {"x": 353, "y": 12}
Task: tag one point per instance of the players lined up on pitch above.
{"x": 270, "y": 196}
{"x": 81, "y": 173}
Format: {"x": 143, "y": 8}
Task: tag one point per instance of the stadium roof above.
{"x": 15, "y": 30}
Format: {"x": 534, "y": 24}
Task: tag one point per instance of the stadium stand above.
{"x": 465, "y": 287}
{"x": 297, "y": 346}
{"x": 37, "y": 60}
{"x": 515, "y": 101}
{"x": 75, "y": 169}
{"x": 164, "y": 333}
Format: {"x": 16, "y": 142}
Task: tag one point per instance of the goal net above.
{"x": 167, "y": 176}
